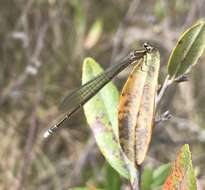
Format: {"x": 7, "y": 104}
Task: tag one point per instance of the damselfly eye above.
{"x": 148, "y": 47}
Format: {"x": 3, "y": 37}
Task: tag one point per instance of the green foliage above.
{"x": 101, "y": 111}
{"x": 105, "y": 102}
{"x": 79, "y": 15}
{"x": 101, "y": 114}
{"x": 159, "y": 9}
{"x": 112, "y": 180}
{"x": 84, "y": 188}
{"x": 189, "y": 48}
{"x": 160, "y": 174}
{"x": 154, "y": 178}
{"x": 147, "y": 178}
{"x": 94, "y": 34}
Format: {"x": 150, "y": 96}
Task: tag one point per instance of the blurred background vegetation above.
{"x": 43, "y": 44}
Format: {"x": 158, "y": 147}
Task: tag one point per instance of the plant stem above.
{"x": 137, "y": 182}
{"x": 166, "y": 84}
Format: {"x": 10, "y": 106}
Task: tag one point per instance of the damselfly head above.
{"x": 148, "y": 47}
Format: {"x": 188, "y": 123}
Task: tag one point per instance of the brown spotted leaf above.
{"x": 137, "y": 107}
{"x": 182, "y": 175}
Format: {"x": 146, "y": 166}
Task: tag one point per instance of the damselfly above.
{"x": 72, "y": 102}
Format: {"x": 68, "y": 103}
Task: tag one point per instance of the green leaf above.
{"x": 147, "y": 178}
{"x": 84, "y": 188}
{"x": 151, "y": 179}
{"x": 93, "y": 34}
{"x": 189, "y": 48}
{"x": 182, "y": 174}
{"x": 113, "y": 181}
{"x": 79, "y": 188}
{"x": 101, "y": 114}
{"x": 160, "y": 174}
{"x": 159, "y": 9}
{"x": 79, "y": 15}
